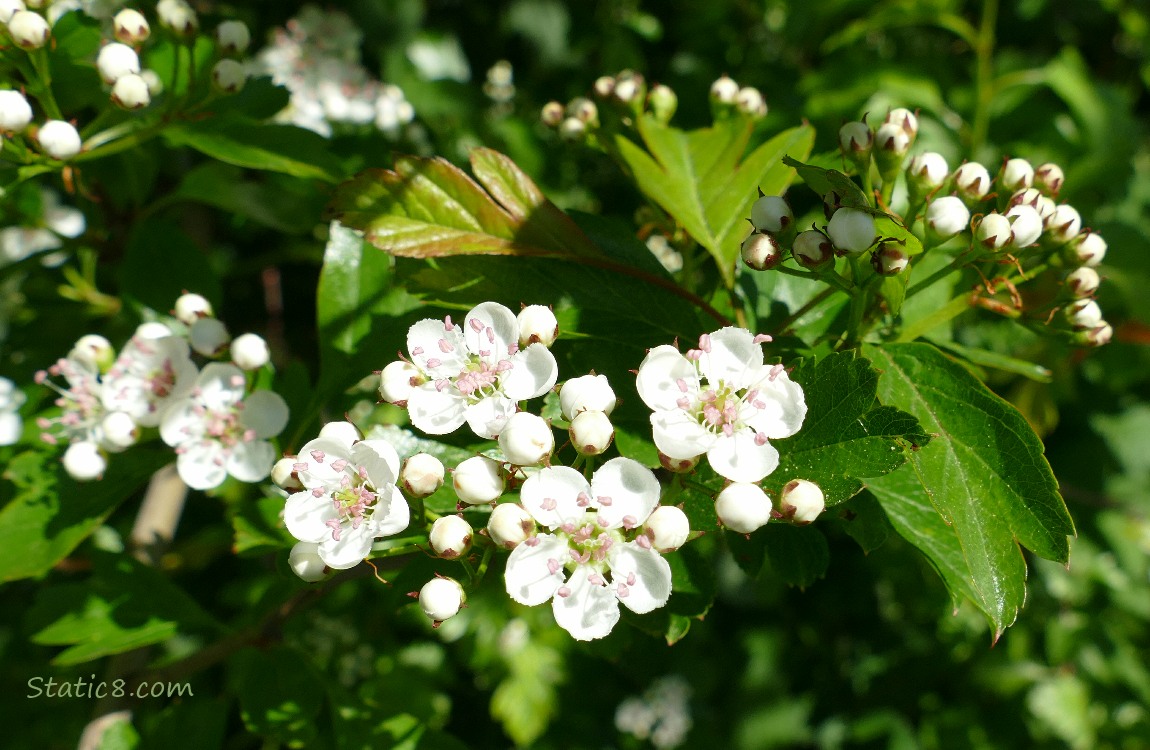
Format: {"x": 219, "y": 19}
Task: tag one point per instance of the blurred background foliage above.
{"x": 873, "y": 655}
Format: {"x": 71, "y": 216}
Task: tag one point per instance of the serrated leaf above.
{"x": 863, "y": 519}
{"x": 985, "y": 473}
{"x": 847, "y": 435}
{"x": 705, "y": 179}
{"x": 51, "y": 513}
{"x": 824, "y": 181}
{"x": 248, "y": 143}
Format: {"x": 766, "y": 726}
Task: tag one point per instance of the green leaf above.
{"x": 985, "y": 473}
{"x": 824, "y": 181}
{"x": 526, "y": 700}
{"x": 862, "y": 518}
{"x": 706, "y": 180}
{"x": 259, "y": 526}
{"x": 280, "y": 696}
{"x": 847, "y": 435}
{"x": 798, "y": 555}
{"x": 161, "y": 262}
{"x": 247, "y": 143}
{"x": 273, "y": 205}
{"x": 51, "y": 513}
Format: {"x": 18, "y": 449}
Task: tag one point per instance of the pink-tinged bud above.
{"x": 668, "y": 528}
{"x": 586, "y": 392}
{"x": 131, "y": 92}
{"x": 250, "y": 352}
{"x": 422, "y": 475}
{"x": 59, "y": 139}
{"x": 116, "y": 61}
{"x": 84, "y": 462}
{"x": 526, "y": 439}
{"x": 510, "y": 525}
{"x": 750, "y": 102}
{"x": 946, "y": 217}
{"x": 305, "y": 562}
{"x": 398, "y": 380}
{"x": 478, "y": 480}
{"x": 1025, "y": 224}
{"x": 583, "y": 110}
{"x": 889, "y": 259}
{"x": 229, "y": 76}
{"x": 1063, "y": 225}
{"x": 1015, "y": 175}
{"x": 770, "y": 213}
{"x": 130, "y": 27}
{"x": 591, "y": 432}
{"x": 801, "y": 502}
{"x": 551, "y": 114}
{"x": 118, "y": 432}
{"x": 1048, "y": 178}
{"x": 812, "y": 249}
{"x": 284, "y": 476}
{"x": 441, "y": 599}
{"x": 450, "y": 537}
{"x": 993, "y": 231}
{"x": 678, "y": 465}
{"x": 905, "y": 119}
{"x": 761, "y": 252}
{"x": 1088, "y": 248}
{"x": 724, "y": 90}
{"x": 743, "y": 507}
{"x": 972, "y": 181}
{"x": 233, "y": 37}
{"x": 856, "y": 139}
{"x": 1100, "y": 335}
{"x": 1083, "y": 282}
{"x": 29, "y": 30}
{"x": 15, "y": 111}
{"x": 209, "y": 336}
{"x": 537, "y": 324}
{"x": 852, "y": 230}
{"x": 927, "y": 171}
{"x": 1084, "y": 314}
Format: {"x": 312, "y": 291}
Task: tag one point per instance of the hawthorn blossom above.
{"x": 149, "y": 374}
{"x": 474, "y": 372}
{"x": 349, "y": 497}
{"x": 596, "y": 555}
{"x": 11, "y": 424}
{"x": 721, "y": 400}
{"x": 80, "y": 400}
{"x": 219, "y": 429}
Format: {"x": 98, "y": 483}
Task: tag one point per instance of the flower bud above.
{"x": 15, "y": 112}
{"x": 852, "y": 230}
{"x": 8, "y": 8}
{"x": 724, "y": 90}
{"x": 229, "y": 76}
{"x": 94, "y": 351}
{"x": 305, "y": 562}
{"x": 812, "y": 249}
{"x": 1084, "y": 314}
{"x": 178, "y": 17}
{"x": 743, "y": 507}
{"x": 537, "y": 324}
{"x": 889, "y": 259}
{"x": 1088, "y": 248}
{"x": 668, "y": 528}
{"x": 118, "y": 432}
{"x": 478, "y": 480}
{"x": 29, "y": 30}
{"x": 208, "y": 336}
{"x": 1083, "y": 282}
{"x": 397, "y": 381}
{"x": 770, "y": 213}
{"x": 750, "y": 101}
{"x": 856, "y": 140}
{"x": 629, "y": 87}
{"x": 572, "y": 129}
{"x": 905, "y": 119}
{"x": 761, "y": 251}
{"x": 972, "y": 181}
{"x": 441, "y": 599}
{"x": 284, "y": 476}
{"x": 801, "y": 502}
{"x": 993, "y": 231}
{"x": 946, "y": 217}
{"x": 603, "y": 86}
{"x": 1015, "y": 175}
{"x": 586, "y": 392}
{"x": 130, "y": 26}
{"x": 152, "y": 330}
{"x": 927, "y": 171}
{"x": 450, "y": 537}
{"x": 591, "y": 432}
{"x": 662, "y": 101}
{"x": 116, "y": 60}
{"x": 130, "y": 92}
{"x": 59, "y": 139}
{"x": 551, "y": 114}
{"x": 341, "y": 431}
{"x": 84, "y": 462}
{"x": 1063, "y": 225}
{"x": 510, "y": 525}
{"x": 678, "y": 465}
{"x": 250, "y": 352}
{"x": 233, "y": 37}
{"x": 584, "y": 110}
{"x": 526, "y": 439}
{"x": 892, "y": 142}
{"x": 1100, "y": 335}
{"x": 1025, "y": 225}
{"x": 155, "y": 85}
{"x": 422, "y": 475}
{"x": 1048, "y": 178}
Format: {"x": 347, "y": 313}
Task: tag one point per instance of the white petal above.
{"x": 658, "y": 381}
{"x": 306, "y": 516}
{"x": 784, "y": 405}
{"x": 652, "y": 587}
{"x": 533, "y": 373}
{"x": 319, "y": 454}
{"x": 436, "y": 412}
{"x": 631, "y": 487}
{"x": 398, "y": 515}
{"x": 498, "y": 330}
{"x": 551, "y": 495}
{"x": 350, "y": 550}
{"x": 740, "y": 459}
{"x": 429, "y": 341}
{"x": 252, "y": 461}
{"x": 265, "y": 412}
{"x": 528, "y": 578}
{"x": 487, "y": 417}
{"x": 220, "y": 385}
{"x": 589, "y": 611}
{"x": 202, "y": 464}
{"x": 379, "y": 459}
{"x": 679, "y": 435}
{"x": 11, "y": 427}
{"x": 734, "y": 358}
{"x": 181, "y": 424}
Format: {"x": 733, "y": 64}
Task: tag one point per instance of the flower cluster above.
{"x": 662, "y": 714}
{"x": 213, "y": 419}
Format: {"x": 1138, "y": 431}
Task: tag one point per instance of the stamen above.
{"x": 318, "y": 456}
{"x": 563, "y": 592}
{"x": 763, "y": 338}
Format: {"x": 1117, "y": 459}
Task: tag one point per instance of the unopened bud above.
{"x": 1015, "y": 175}
{"x": 450, "y": 537}
{"x": 233, "y": 37}
{"x": 191, "y": 307}
{"x": 250, "y": 352}
{"x": 478, "y": 480}
{"x": 724, "y": 90}
{"x": 586, "y": 392}
{"x": 130, "y": 27}
{"x": 1100, "y": 335}
{"x": 856, "y": 139}
{"x": 1025, "y": 224}
{"x": 1084, "y": 314}
{"x": 668, "y": 528}
{"x": 946, "y": 217}
{"x": 761, "y": 251}
{"x": 131, "y": 92}
{"x": 603, "y": 86}
{"x": 972, "y": 181}
{"x": 29, "y": 30}
{"x": 94, "y": 351}
{"x": 812, "y": 249}
{"x": 572, "y": 129}
{"x": 8, "y": 8}
{"x": 1064, "y": 224}
{"x": 422, "y": 475}
{"x": 178, "y": 17}
{"x": 750, "y": 101}
{"x": 1083, "y": 282}
{"x": 889, "y": 259}
{"x": 551, "y": 114}
{"x": 1048, "y": 178}
{"x": 305, "y": 562}
{"x": 770, "y": 213}
{"x": 441, "y": 599}
{"x": 1088, "y": 248}
{"x": 678, "y": 465}
{"x": 115, "y": 61}
{"x": 118, "y": 432}
{"x": 155, "y": 85}
{"x": 84, "y": 462}
{"x": 801, "y": 502}
{"x": 284, "y": 474}
{"x": 629, "y": 87}
{"x": 15, "y": 111}
{"x": 743, "y": 507}
{"x": 905, "y": 119}
{"x": 152, "y": 330}
{"x": 397, "y": 381}
{"x": 537, "y": 325}
{"x": 341, "y": 432}
{"x": 852, "y": 230}
{"x": 591, "y": 433}
{"x": 892, "y": 139}
{"x": 208, "y": 336}
{"x": 229, "y": 76}
{"x": 662, "y": 101}
{"x": 993, "y": 231}
{"x": 526, "y": 439}
{"x": 59, "y": 139}
{"x": 927, "y": 171}
{"x": 584, "y": 110}
{"x": 510, "y": 525}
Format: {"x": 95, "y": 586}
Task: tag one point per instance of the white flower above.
{"x": 721, "y": 400}
{"x": 81, "y": 403}
{"x": 219, "y": 429}
{"x": 349, "y": 500}
{"x": 147, "y": 376}
{"x": 476, "y": 371}
{"x": 592, "y": 560}
{"x": 11, "y": 399}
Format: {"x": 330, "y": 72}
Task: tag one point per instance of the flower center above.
{"x": 353, "y": 499}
